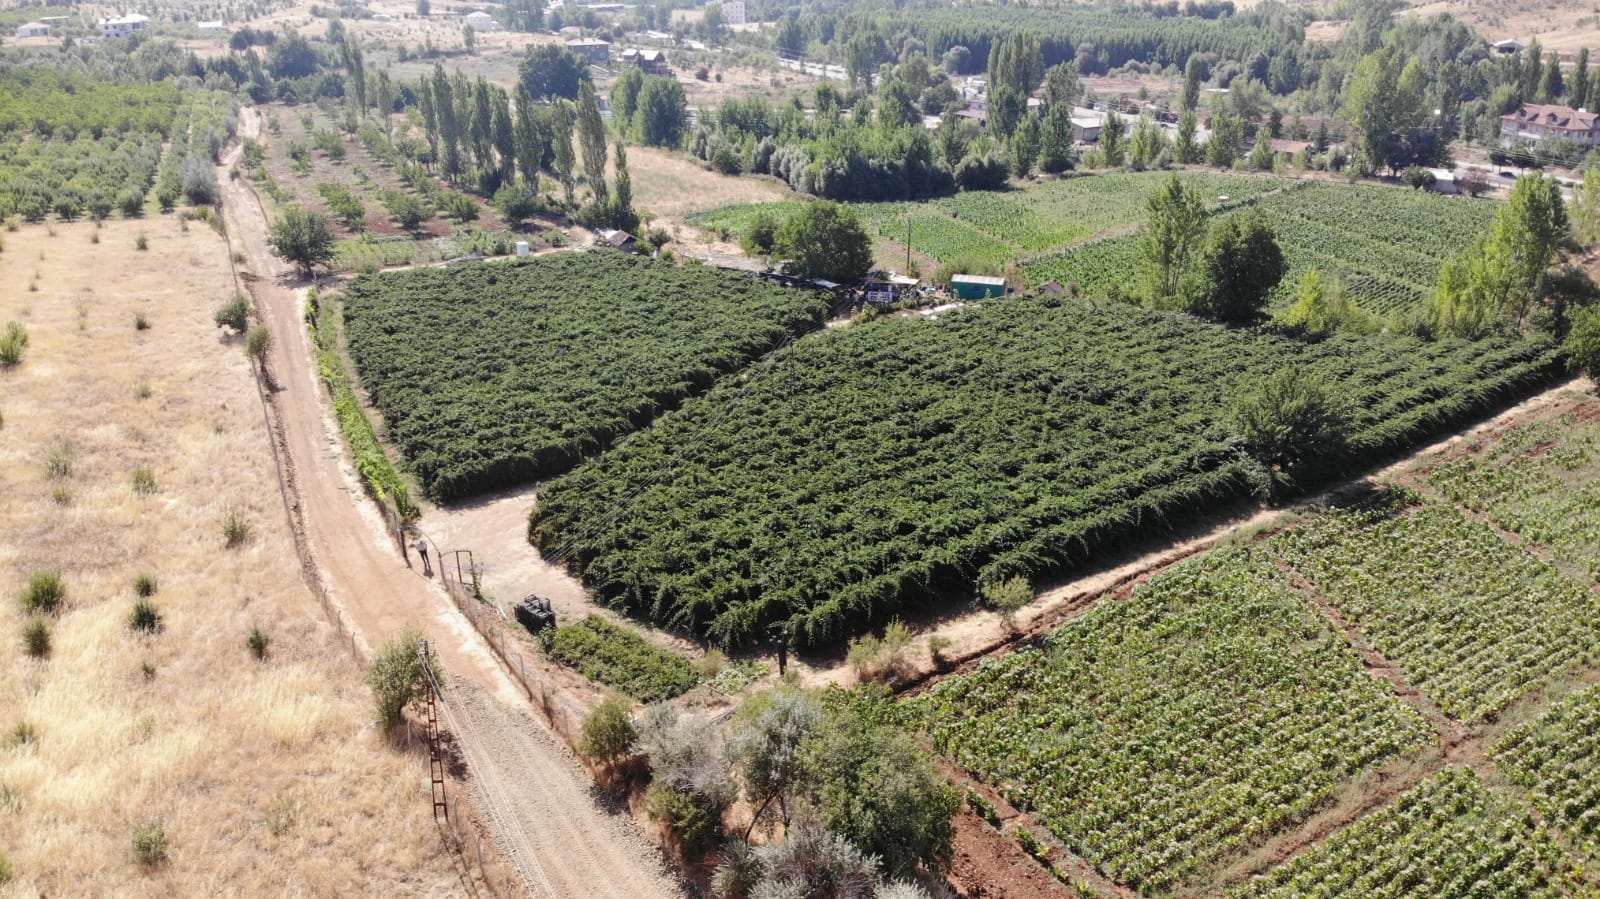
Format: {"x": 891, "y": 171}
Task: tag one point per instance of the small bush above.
{"x": 145, "y": 617}
{"x": 22, "y": 734}
{"x": 62, "y": 495}
{"x": 36, "y": 637}
{"x": 144, "y": 585}
{"x": 711, "y": 664}
{"x": 982, "y": 807}
{"x": 1030, "y": 844}
{"x": 257, "y": 642}
{"x": 937, "y": 644}
{"x": 1007, "y": 597}
{"x": 58, "y": 464}
{"x": 236, "y": 530}
{"x": 6, "y": 871}
{"x": 13, "y": 344}
{"x": 397, "y": 675}
{"x": 150, "y": 844}
{"x": 141, "y": 322}
{"x": 44, "y": 594}
{"x": 144, "y": 481}
{"x": 257, "y": 343}
{"x": 608, "y": 732}
{"x": 876, "y": 659}
{"x": 234, "y": 314}
{"x": 142, "y": 242}
{"x": 141, "y": 391}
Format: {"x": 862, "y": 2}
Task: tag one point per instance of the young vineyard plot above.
{"x": 901, "y": 460}
{"x": 1157, "y": 737}
{"x": 1449, "y": 837}
{"x": 492, "y": 375}
{"x": 1386, "y": 244}
{"x": 1557, "y": 757}
{"x": 1541, "y": 481}
{"x": 1474, "y": 621}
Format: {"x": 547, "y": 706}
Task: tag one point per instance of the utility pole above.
{"x": 908, "y": 245}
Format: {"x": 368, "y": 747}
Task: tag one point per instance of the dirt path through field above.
{"x": 537, "y": 793}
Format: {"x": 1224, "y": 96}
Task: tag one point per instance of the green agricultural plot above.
{"x": 1473, "y": 621}
{"x": 490, "y": 375}
{"x": 1386, "y": 244}
{"x": 1452, "y": 836}
{"x": 1557, "y": 758}
{"x": 899, "y": 462}
{"x": 1541, "y": 481}
{"x": 1159, "y": 736}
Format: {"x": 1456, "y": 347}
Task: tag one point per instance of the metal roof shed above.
{"x": 977, "y": 287}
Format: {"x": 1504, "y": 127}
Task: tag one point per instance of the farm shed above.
{"x": 480, "y": 21}
{"x": 977, "y": 287}
{"x": 33, "y": 29}
{"x": 618, "y": 240}
{"x": 210, "y": 27}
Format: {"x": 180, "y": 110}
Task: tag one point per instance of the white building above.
{"x": 481, "y": 21}
{"x": 733, "y": 11}
{"x": 1533, "y": 123}
{"x": 122, "y": 26}
{"x": 211, "y": 27}
{"x": 33, "y": 29}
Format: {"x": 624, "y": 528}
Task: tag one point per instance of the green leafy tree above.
{"x": 530, "y": 136}
{"x": 1147, "y": 144}
{"x": 1290, "y": 419}
{"x": 1186, "y": 148}
{"x": 1056, "y": 150}
{"x": 1025, "y": 146}
{"x": 551, "y": 71}
{"x": 303, "y": 239}
{"x": 1174, "y": 226}
{"x": 662, "y": 115}
{"x": 565, "y": 159}
{"x": 1227, "y": 140}
{"x": 449, "y": 130}
{"x": 1193, "y": 74}
{"x": 1582, "y": 345}
{"x": 875, "y": 788}
{"x": 1113, "y": 144}
{"x": 1371, "y": 104}
{"x": 826, "y": 240}
{"x": 1062, "y": 86}
{"x": 1322, "y": 305}
{"x": 592, "y": 142}
{"x": 1495, "y": 283}
{"x": 625, "y": 96}
{"x": 1585, "y": 211}
{"x": 1242, "y": 264}
{"x": 764, "y": 745}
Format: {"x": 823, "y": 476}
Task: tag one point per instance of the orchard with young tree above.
{"x": 303, "y": 239}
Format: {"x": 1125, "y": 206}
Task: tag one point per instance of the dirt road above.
{"x": 536, "y": 792}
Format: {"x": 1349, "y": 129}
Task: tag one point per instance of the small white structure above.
{"x": 211, "y": 28}
{"x": 122, "y": 26}
{"x": 481, "y": 21}
{"x": 33, "y": 29}
{"x": 522, "y": 248}
{"x": 1509, "y": 47}
{"x": 1444, "y": 182}
{"x": 733, "y": 12}
{"x": 382, "y": 17}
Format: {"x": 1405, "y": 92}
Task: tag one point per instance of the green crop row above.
{"x": 1472, "y": 620}
{"x": 1451, "y": 836}
{"x": 1159, "y": 736}
{"x": 902, "y": 461}
{"x": 496, "y": 374}
{"x": 620, "y": 657}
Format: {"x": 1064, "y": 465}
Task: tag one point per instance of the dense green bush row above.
{"x": 49, "y": 102}
{"x": 903, "y": 460}
{"x": 620, "y": 657}
{"x": 496, "y": 374}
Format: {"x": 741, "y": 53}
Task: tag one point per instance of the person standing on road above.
{"x": 422, "y": 550}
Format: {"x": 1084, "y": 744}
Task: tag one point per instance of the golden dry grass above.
{"x": 672, "y": 185}
{"x": 266, "y": 775}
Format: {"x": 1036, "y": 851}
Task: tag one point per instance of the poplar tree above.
{"x": 565, "y": 161}
{"x": 444, "y": 110}
{"x": 592, "y": 142}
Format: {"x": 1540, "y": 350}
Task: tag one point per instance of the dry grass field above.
{"x": 264, "y": 776}
{"x": 1562, "y": 25}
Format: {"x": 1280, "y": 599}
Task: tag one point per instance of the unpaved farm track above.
{"x": 539, "y": 799}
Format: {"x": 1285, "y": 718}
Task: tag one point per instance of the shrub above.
{"x": 620, "y": 657}
{"x": 36, "y": 637}
{"x": 22, "y": 734}
{"x": 150, "y": 844}
{"x": 145, "y": 617}
{"x": 937, "y": 644}
{"x": 397, "y": 675}
{"x": 13, "y": 344}
{"x": 1007, "y": 597}
{"x": 142, "y": 242}
{"x": 1290, "y": 419}
{"x": 141, "y": 322}
{"x": 141, "y": 391}
{"x": 694, "y": 821}
{"x": 710, "y": 665}
{"x": 6, "y": 871}
{"x": 144, "y": 585}
{"x": 234, "y": 314}
{"x": 257, "y": 342}
{"x": 45, "y": 592}
{"x": 257, "y": 642}
{"x": 877, "y": 659}
{"x": 608, "y": 732}
{"x": 236, "y": 530}
{"x": 62, "y": 495}
{"x": 144, "y": 481}
{"x": 58, "y": 463}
